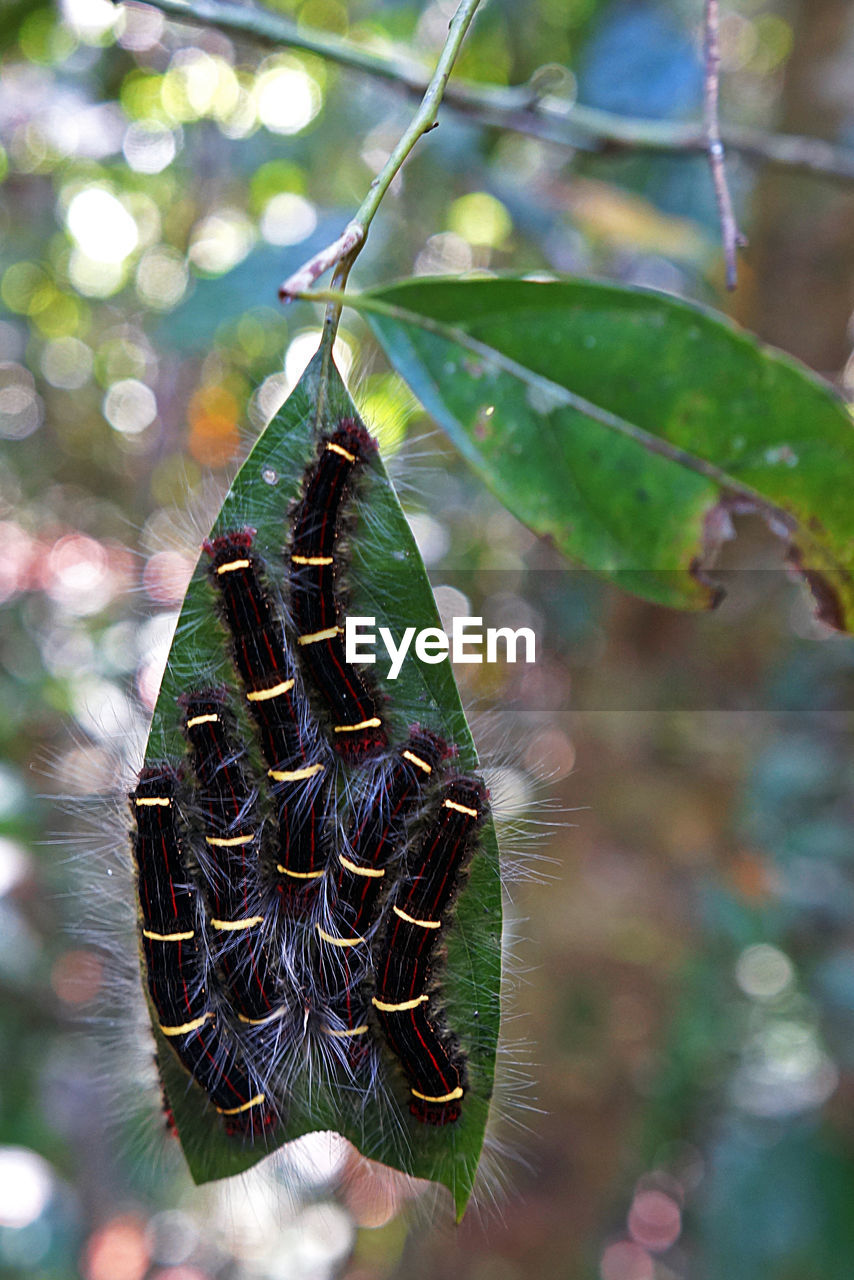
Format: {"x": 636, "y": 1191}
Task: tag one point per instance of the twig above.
{"x": 547, "y": 117}
{"x": 351, "y": 238}
{"x": 730, "y": 234}
{"x": 342, "y": 253}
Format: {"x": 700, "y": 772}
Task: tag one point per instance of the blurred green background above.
{"x": 685, "y": 989}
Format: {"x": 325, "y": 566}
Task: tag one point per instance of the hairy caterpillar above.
{"x": 434, "y": 1070}
{"x": 292, "y": 749}
{"x": 357, "y": 725}
{"x": 175, "y": 960}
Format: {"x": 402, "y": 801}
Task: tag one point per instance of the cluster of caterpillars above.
{"x": 229, "y": 867}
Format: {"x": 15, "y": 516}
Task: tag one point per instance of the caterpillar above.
{"x": 374, "y": 837}
{"x": 357, "y": 723}
{"x": 433, "y": 1067}
{"x": 230, "y": 858}
{"x": 289, "y": 742}
{"x": 174, "y": 960}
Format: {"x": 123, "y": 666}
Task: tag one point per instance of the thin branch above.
{"x": 516, "y": 108}
{"x": 351, "y": 238}
{"x": 730, "y": 234}
{"x": 342, "y": 253}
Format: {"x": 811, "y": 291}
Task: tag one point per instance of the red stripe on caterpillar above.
{"x": 354, "y": 706}
{"x": 432, "y": 1062}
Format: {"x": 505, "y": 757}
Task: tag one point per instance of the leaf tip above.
{"x": 829, "y": 607}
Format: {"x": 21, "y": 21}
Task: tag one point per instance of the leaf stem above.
{"x": 342, "y": 253}
{"x": 517, "y": 108}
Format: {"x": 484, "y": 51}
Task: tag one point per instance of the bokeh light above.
{"x": 431, "y": 537}
{"x": 149, "y": 146}
{"x": 655, "y": 1220}
{"x": 763, "y": 971}
{"x": 91, "y": 20}
{"x": 480, "y": 219}
{"x": 626, "y": 1261}
{"x": 213, "y": 417}
{"x": 21, "y": 407}
{"x": 26, "y": 1186}
{"x": 161, "y": 278}
{"x": 166, "y": 576}
{"x": 172, "y": 1237}
{"x": 288, "y": 219}
{"x": 303, "y": 348}
{"x": 67, "y": 363}
{"x": 130, "y": 406}
{"x": 117, "y": 1251}
{"x": 286, "y": 97}
{"x": 221, "y": 240}
{"x": 77, "y": 574}
{"x": 14, "y": 864}
{"x": 101, "y": 226}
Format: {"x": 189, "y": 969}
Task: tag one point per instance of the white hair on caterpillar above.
{"x": 520, "y": 783}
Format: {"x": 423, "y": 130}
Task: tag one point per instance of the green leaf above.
{"x": 387, "y": 580}
{"x": 625, "y": 425}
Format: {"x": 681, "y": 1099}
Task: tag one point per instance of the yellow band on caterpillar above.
{"x": 169, "y": 937}
{"x": 230, "y": 926}
{"x": 373, "y": 723}
{"x": 397, "y": 1008}
{"x": 337, "y": 448}
{"x": 186, "y": 1027}
{"x": 328, "y": 634}
{"x": 298, "y": 875}
{"x": 445, "y": 1097}
{"x": 260, "y": 1022}
{"x": 232, "y": 566}
{"x": 149, "y": 802}
{"x": 231, "y": 842}
{"x": 461, "y": 808}
{"x": 425, "y": 924}
{"x": 349, "y": 1031}
{"x": 416, "y": 760}
{"x": 370, "y": 872}
{"x": 263, "y": 695}
{"x": 312, "y": 560}
{"x": 244, "y": 1106}
{"x": 337, "y": 942}
{"x": 295, "y": 775}
{"x": 209, "y": 718}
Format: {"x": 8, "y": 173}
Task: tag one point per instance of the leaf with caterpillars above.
{"x": 385, "y": 579}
